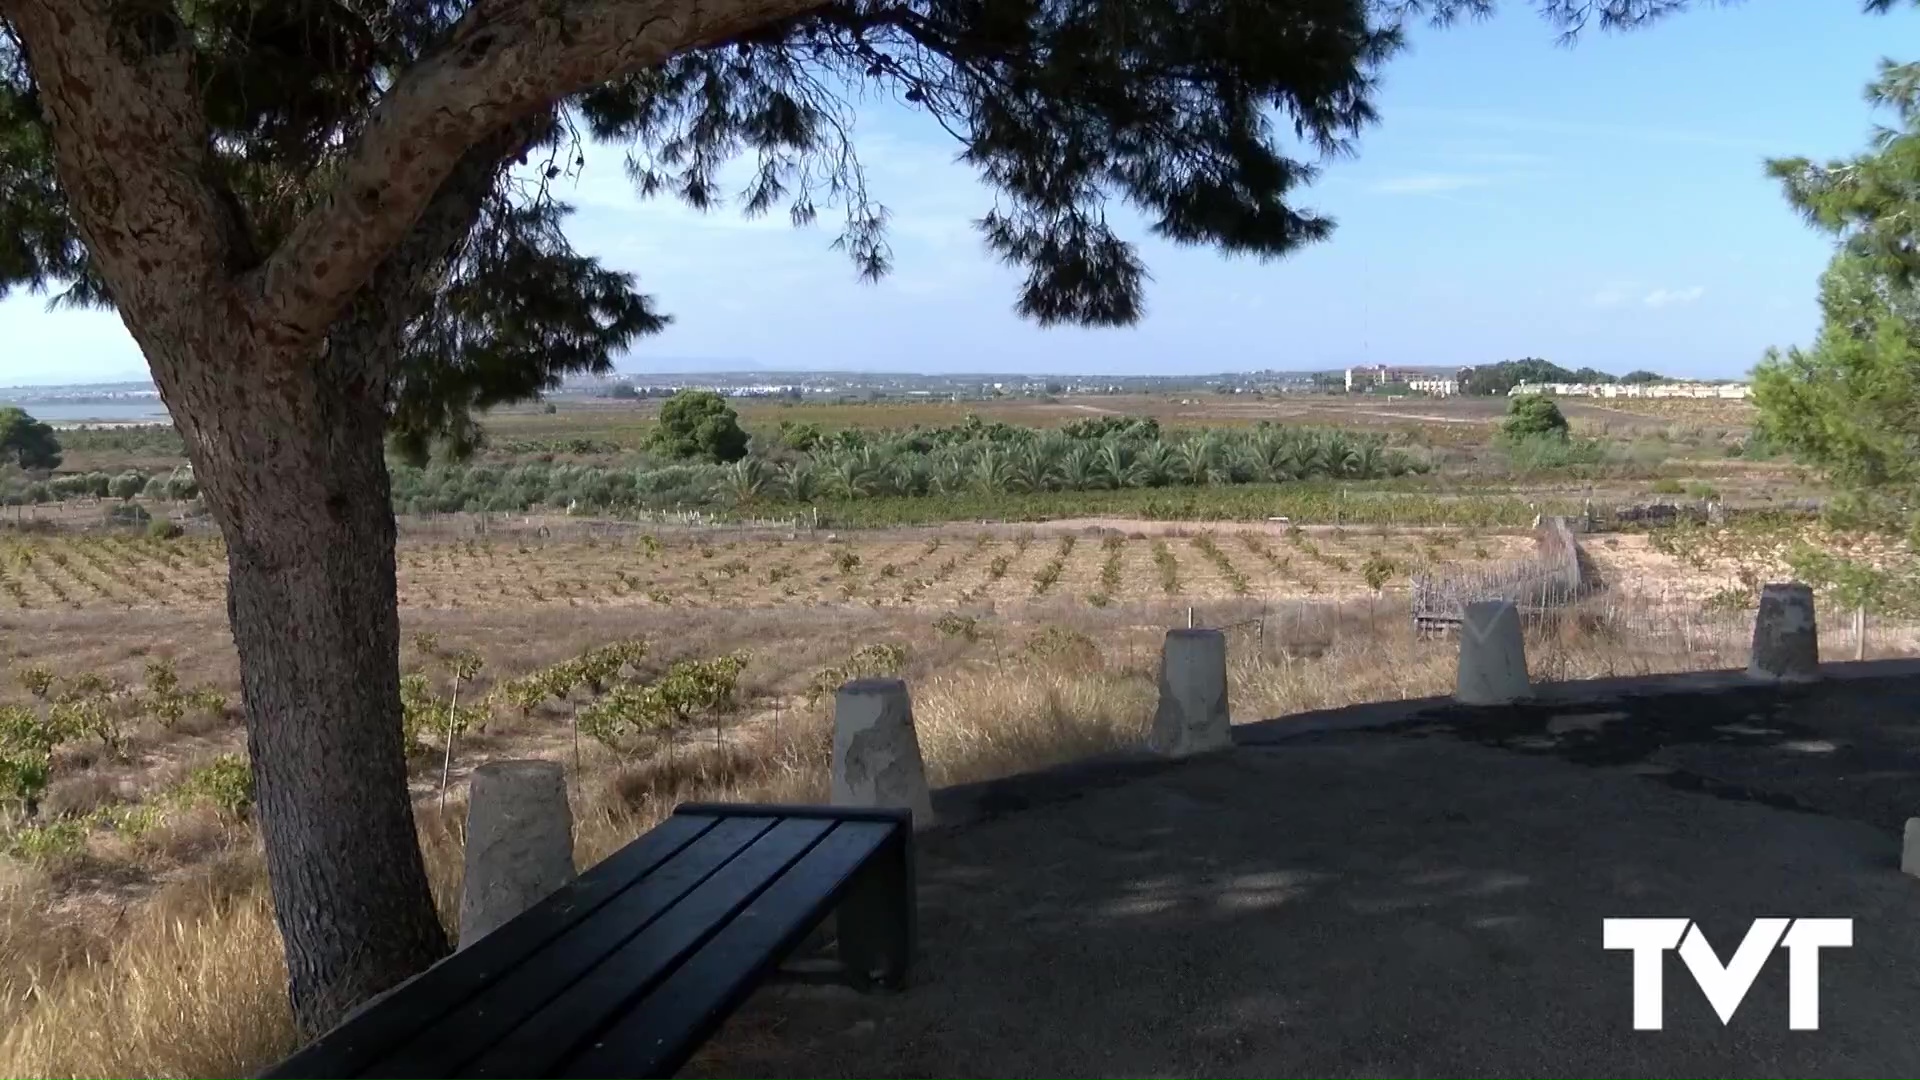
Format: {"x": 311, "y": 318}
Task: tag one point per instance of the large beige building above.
{"x": 1418, "y": 379}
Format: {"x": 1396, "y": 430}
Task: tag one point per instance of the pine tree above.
{"x": 1851, "y": 402}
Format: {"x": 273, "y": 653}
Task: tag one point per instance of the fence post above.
{"x": 1492, "y": 668}
{"x": 1860, "y": 632}
{"x": 876, "y": 752}
{"x": 1192, "y": 716}
{"x": 1786, "y": 637}
{"x": 519, "y": 842}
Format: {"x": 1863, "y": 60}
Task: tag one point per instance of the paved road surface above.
{"x": 1424, "y": 901}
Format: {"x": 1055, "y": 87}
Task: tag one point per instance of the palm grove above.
{"x": 329, "y": 224}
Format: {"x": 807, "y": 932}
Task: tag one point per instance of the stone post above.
{"x": 1786, "y": 643}
{"x": 876, "y": 753}
{"x": 519, "y": 842}
{"x": 1192, "y": 715}
{"x": 1493, "y": 656}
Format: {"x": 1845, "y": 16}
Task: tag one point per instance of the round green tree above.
{"x": 27, "y": 442}
{"x": 1532, "y": 416}
{"x": 699, "y": 424}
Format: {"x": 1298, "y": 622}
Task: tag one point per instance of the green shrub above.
{"x": 1667, "y": 485}
{"x": 132, "y": 515}
{"x": 1377, "y": 570}
{"x": 1539, "y": 453}
{"x": 867, "y": 662}
{"x": 27, "y": 740}
{"x": 127, "y": 485}
{"x": 35, "y": 680}
{"x": 49, "y": 841}
{"x": 225, "y": 783}
{"x": 164, "y": 529}
{"x": 1532, "y": 415}
{"x": 687, "y": 689}
{"x": 1169, "y": 567}
{"x": 965, "y": 627}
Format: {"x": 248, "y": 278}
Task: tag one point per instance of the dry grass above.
{"x": 192, "y": 983}
{"x": 159, "y": 956}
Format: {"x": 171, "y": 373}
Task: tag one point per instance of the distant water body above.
{"x": 66, "y": 414}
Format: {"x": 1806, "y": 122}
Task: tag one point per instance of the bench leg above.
{"x": 876, "y": 920}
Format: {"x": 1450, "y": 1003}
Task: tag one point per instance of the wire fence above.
{"x": 1550, "y": 577}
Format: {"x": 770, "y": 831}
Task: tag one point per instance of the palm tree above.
{"x": 745, "y": 481}
{"x": 1155, "y": 465}
{"x": 990, "y": 472}
{"x": 910, "y": 475}
{"x": 1197, "y": 458}
{"x": 1369, "y": 460}
{"x": 1269, "y": 455}
{"x": 948, "y": 471}
{"x": 1116, "y": 463}
{"x": 801, "y": 481}
{"x": 1080, "y": 469}
{"x": 846, "y": 475}
{"x": 1313, "y": 459}
{"x": 1037, "y": 464}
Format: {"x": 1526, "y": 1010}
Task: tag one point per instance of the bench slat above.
{"x": 349, "y": 1049}
{"x": 656, "y": 1036}
{"x": 439, "y": 1048}
{"x": 606, "y": 991}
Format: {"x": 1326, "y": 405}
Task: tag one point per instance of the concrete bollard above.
{"x": 1192, "y": 716}
{"x": 1786, "y": 641}
{"x": 1910, "y": 848}
{"x": 519, "y": 843}
{"x": 1493, "y": 656}
{"x": 876, "y": 753}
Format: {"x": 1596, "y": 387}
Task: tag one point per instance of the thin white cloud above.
{"x": 1429, "y": 183}
{"x": 1660, "y": 298}
{"x": 1612, "y": 295}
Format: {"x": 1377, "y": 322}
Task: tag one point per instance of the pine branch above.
{"x": 504, "y": 60}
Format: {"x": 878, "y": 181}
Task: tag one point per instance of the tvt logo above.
{"x": 1726, "y": 985}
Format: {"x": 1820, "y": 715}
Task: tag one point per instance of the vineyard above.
{"x": 937, "y": 568}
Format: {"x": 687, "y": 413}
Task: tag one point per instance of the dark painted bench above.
{"x": 629, "y": 969}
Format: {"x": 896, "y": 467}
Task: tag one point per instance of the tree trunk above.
{"x": 290, "y": 453}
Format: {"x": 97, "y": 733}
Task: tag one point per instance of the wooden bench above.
{"x": 629, "y": 969}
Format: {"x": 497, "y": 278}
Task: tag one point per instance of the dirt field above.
{"x": 1089, "y": 562}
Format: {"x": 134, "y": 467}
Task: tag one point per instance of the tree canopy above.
{"x": 1850, "y": 403}
{"x": 1507, "y": 374}
{"x": 1532, "y": 416}
{"x": 1501, "y": 377}
{"x": 27, "y": 442}
{"x": 699, "y": 424}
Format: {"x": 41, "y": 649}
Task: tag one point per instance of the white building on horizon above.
{"x": 1696, "y": 390}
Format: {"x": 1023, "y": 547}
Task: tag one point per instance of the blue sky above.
{"x": 1595, "y": 205}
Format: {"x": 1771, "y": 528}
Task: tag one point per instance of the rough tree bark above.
{"x": 291, "y": 452}
{"x": 296, "y": 476}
